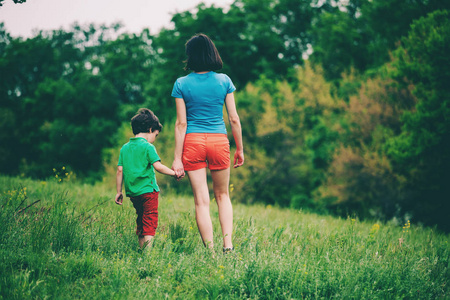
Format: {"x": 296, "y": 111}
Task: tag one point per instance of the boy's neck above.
{"x": 142, "y": 135}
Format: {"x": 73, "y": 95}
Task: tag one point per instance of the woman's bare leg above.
{"x": 200, "y": 190}
{"x": 221, "y": 180}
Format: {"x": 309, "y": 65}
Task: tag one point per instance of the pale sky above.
{"x": 135, "y": 15}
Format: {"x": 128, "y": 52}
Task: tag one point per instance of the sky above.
{"x": 23, "y": 19}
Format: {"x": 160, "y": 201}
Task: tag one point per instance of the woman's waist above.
{"x": 202, "y": 137}
{"x": 206, "y": 127}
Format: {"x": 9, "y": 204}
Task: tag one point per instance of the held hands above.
{"x": 178, "y": 168}
{"x": 238, "y": 158}
{"x": 178, "y": 177}
{"x": 119, "y": 198}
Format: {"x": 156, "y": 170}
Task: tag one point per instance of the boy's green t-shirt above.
{"x": 137, "y": 158}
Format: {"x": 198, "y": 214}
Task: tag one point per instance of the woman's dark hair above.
{"x": 145, "y": 120}
{"x": 202, "y": 54}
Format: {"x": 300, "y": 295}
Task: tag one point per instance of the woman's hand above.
{"x": 177, "y": 167}
{"x": 238, "y": 158}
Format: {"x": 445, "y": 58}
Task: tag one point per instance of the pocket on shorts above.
{"x": 221, "y": 154}
{"x": 192, "y": 154}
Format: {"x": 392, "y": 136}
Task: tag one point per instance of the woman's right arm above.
{"x": 180, "y": 133}
{"x": 236, "y": 129}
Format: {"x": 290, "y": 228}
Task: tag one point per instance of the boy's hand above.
{"x": 178, "y": 178}
{"x": 119, "y": 198}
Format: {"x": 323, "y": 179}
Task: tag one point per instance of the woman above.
{"x": 201, "y": 137}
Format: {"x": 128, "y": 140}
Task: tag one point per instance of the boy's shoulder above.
{"x": 137, "y": 142}
{"x": 125, "y": 146}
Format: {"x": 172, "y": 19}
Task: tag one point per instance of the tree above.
{"x": 360, "y": 34}
{"x": 23, "y": 66}
{"x": 420, "y": 152}
{"x": 83, "y": 119}
{"x": 54, "y": 110}
{"x": 293, "y": 134}
{"x": 127, "y": 63}
{"x": 361, "y": 179}
{"x": 339, "y": 44}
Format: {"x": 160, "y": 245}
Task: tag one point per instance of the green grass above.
{"x": 76, "y": 243}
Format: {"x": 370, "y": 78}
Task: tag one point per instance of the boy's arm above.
{"x": 119, "y": 183}
{"x": 163, "y": 169}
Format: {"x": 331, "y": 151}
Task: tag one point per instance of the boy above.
{"x": 137, "y": 161}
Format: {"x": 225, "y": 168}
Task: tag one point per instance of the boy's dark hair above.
{"x": 202, "y": 54}
{"x": 145, "y": 120}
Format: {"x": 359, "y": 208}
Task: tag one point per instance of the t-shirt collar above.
{"x": 137, "y": 139}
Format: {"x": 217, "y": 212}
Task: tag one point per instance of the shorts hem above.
{"x": 143, "y": 234}
{"x": 195, "y": 168}
{"x": 218, "y": 168}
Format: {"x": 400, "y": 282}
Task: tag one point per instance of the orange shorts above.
{"x": 203, "y": 150}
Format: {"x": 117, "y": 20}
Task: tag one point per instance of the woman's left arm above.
{"x": 236, "y": 129}
{"x": 180, "y": 133}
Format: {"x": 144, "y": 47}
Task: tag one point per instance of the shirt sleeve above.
{"x": 176, "y": 91}
{"x": 152, "y": 155}
{"x": 231, "y": 87}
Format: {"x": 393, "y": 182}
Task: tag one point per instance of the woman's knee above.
{"x": 222, "y": 197}
{"x": 202, "y": 201}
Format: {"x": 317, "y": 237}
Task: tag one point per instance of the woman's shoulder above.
{"x": 182, "y": 78}
{"x": 222, "y": 76}
{"x": 208, "y": 76}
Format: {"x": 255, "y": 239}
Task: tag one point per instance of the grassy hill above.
{"x": 67, "y": 240}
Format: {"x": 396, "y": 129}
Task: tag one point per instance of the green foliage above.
{"x": 360, "y": 179}
{"x": 338, "y": 45}
{"x": 360, "y": 33}
{"x": 126, "y": 63}
{"x": 58, "y": 111}
{"x": 360, "y": 127}
{"x": 77, "y": 243}
{"x": 391, "y": 163}
{"x": 289, "y": 125}
{"x": 419, "y": 151}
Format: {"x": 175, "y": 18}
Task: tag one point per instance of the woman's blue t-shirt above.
{"x": 204, "y": 96}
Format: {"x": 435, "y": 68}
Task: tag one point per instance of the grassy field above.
{"x": 76, "y": 243}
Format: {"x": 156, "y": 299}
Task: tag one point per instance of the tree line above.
{"x": 344, "y": 105}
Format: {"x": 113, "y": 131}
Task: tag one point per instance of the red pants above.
{"x": 146, "y": 206}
